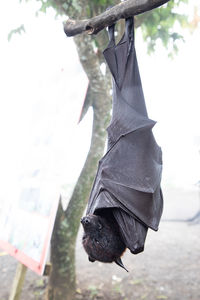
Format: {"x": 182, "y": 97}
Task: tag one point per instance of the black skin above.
{"x": 101, "y": 239}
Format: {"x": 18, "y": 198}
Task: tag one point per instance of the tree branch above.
{"x": 122, "y": 10}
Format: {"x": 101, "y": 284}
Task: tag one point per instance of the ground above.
{"x": 169, "y": 268}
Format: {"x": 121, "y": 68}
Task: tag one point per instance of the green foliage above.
{"x": 98, "y": 6}
{"x": 102, "y": 2}
{"x": 158, "y": 24}
{"x": 93, "y": 291}
{"x": 72, "y": 7}
{"x": 18, "y": 30}
{"x": 45, "y": 4}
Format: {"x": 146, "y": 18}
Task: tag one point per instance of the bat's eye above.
{"x": 96, "y": 241}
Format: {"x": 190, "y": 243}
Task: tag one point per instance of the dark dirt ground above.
{"x": 169, "y": 268}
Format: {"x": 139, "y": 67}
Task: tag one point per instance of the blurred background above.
{"x": 42, "y": 92}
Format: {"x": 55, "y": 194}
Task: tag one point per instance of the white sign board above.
{"x": 27, "y": 222}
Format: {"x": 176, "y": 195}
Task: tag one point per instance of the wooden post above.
{"x": 18, "y": 282}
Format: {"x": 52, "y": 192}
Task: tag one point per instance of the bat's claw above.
{"x": 119, "y": 262}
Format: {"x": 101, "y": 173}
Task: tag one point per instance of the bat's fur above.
{"x": 102, "y": 240}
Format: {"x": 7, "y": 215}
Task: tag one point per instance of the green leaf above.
{"x": 18, "y": 30}
{"x": 159, "y": 23}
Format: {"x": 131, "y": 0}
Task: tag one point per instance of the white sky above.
{"x": 43, "y": 87}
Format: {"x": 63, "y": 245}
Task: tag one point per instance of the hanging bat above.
{"x": 129, "y": 174}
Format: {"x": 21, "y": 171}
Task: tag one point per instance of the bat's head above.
{"x": 101, "y": 240}
{"x": 92, "y": 223}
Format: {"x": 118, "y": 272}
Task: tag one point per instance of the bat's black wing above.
{"x": 129, "y": 175}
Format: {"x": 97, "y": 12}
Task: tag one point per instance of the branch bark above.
{"x": 122, "y": 10}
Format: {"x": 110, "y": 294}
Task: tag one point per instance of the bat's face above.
{"x": 91, "y": 223}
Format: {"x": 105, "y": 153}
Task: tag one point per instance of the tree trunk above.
{"x": 62, "y": 281}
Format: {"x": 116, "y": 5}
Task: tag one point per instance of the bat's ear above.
{"x": 99, "y": 226}
{"x": 119, "y": 262}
